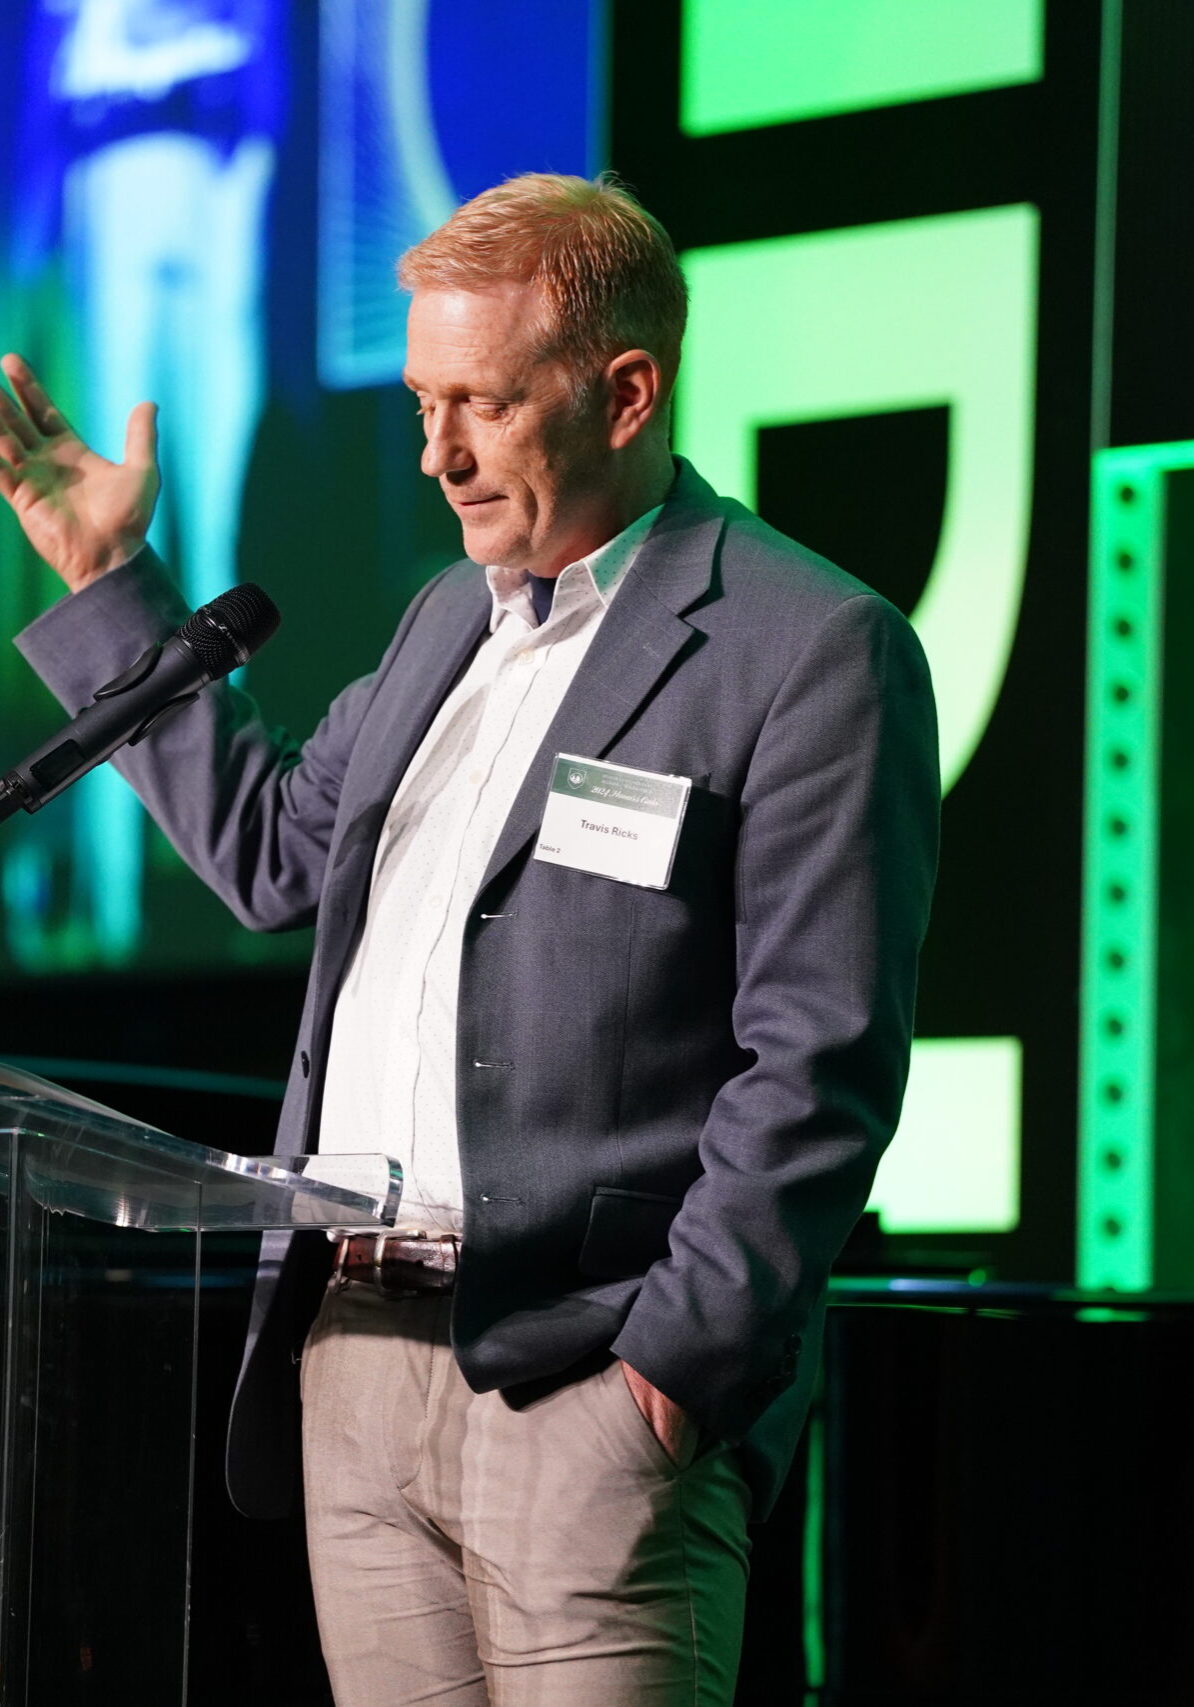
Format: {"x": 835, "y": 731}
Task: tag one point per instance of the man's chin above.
{"x": 488, "y": 545}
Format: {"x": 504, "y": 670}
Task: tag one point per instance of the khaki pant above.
{"x": 464, "y": 1552}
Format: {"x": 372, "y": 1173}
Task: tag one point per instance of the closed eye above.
{"x": 484, "y": 407}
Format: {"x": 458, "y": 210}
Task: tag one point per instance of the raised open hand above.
{"x": 80, "y": 512}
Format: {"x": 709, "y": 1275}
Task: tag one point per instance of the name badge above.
{"x": 613, "y": 821}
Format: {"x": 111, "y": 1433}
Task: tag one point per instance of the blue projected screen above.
{"x": 202, "y": 204}
{"x": 423, "y": 106}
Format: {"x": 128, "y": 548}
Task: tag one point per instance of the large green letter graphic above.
{"x": 914, "y": 313}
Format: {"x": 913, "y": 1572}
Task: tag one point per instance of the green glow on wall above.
{"x": 1119, "y": 948}
{"x": 908, "y": 314}
{"x": 814, "y": 1609}
{"x": 775, "y": 61}
{"x": 954, "y": 1164}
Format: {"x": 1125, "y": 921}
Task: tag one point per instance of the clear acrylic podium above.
{"x": 98, "y": 1369}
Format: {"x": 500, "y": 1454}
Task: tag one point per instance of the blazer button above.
{"x": 305, "y": 1064}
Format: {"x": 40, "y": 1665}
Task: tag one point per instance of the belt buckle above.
{"x": 378, "y": 1275}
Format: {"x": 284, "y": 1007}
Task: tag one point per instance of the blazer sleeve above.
{"x": 248, "y": 808}
{"x": 836, "y": 862}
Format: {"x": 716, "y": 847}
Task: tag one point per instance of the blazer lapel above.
{"x": 640, "y": 637}
{"x": 423, "y": 674}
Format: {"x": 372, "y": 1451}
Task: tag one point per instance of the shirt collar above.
{"x": 590, "y": 582}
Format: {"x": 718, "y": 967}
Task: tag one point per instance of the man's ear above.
{"x": 634, "y": 393}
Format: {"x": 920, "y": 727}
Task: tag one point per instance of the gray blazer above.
{"x": 671, "y": 1104}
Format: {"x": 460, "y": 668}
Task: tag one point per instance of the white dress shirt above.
{"x": 391, "y": 1076}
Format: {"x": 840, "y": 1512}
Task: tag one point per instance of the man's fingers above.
{"x": 141, "y": 436}
{"x": 36, "y": 401}
{"x": 14, "y": 422}
{"x": 8, "y": 480}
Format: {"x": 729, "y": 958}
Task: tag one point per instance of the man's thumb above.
{"x": 141, "y": 436}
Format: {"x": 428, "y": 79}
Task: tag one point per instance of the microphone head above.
{"x": 226, "y": 633}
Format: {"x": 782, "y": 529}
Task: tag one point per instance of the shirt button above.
{"x": 476, "y": 778}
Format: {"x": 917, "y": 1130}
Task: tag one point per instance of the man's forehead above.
{"x": 464, "y": 339}
{"x": 506, "y": 301}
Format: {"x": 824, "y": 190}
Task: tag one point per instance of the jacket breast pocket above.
{"x": 627, "y": 1232}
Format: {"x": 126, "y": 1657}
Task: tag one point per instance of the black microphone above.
{"x": 172, "y": 673}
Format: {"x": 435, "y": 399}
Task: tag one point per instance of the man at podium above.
{"x": 620, "y": 864}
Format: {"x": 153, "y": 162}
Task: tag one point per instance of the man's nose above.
{"x": 446, "y": 450}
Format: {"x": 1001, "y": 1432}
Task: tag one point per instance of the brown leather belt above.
{"x": 398, "y": 1265}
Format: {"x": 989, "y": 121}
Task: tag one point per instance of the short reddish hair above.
{"x": 607, "y": 270}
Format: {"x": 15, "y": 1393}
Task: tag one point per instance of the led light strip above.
{"x": 1116, "y": 1160}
